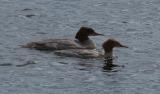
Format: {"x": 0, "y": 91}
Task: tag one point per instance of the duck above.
{"x": 107, "y": 54}
{"x": 81, "y": 41}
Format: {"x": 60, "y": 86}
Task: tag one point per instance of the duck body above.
{"x": 80, "y": 53}
{"x": 54, "y": 44}
{"x": 81, "y": 41}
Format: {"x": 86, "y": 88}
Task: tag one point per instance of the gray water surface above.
{"x": 135, "y": 23}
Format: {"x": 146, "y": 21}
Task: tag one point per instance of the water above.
{"x": 135, "y": 23}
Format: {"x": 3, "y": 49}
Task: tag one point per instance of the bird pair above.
{"x": 82, "y": 46}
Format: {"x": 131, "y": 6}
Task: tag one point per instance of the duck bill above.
{"x": 96, "y": 34}
{"x": 123, "y": 46}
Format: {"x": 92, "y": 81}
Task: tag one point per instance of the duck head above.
{"x": 110, "y": 44}
{"x": 84, "y": 32}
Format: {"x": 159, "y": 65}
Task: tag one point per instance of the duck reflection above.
{"x": 108, "y": 65}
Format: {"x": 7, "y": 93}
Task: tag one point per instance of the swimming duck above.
{"x": 81, "y": 41}
{"x": 108, "y": 46}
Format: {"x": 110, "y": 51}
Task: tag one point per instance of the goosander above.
{"x": 108, "y": 46}
{"x": 82, "y": 41}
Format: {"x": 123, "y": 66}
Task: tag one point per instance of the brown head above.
{"x": 110, "y": 44}
{"x": 84, "y": 32}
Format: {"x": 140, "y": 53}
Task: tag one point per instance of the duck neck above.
{"x": 82, "y": 38}
{"x": 108, "y": 51}
{"x": 108, "y": 56}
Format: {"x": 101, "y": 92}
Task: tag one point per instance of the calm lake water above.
{"x": 135, "y": 23}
